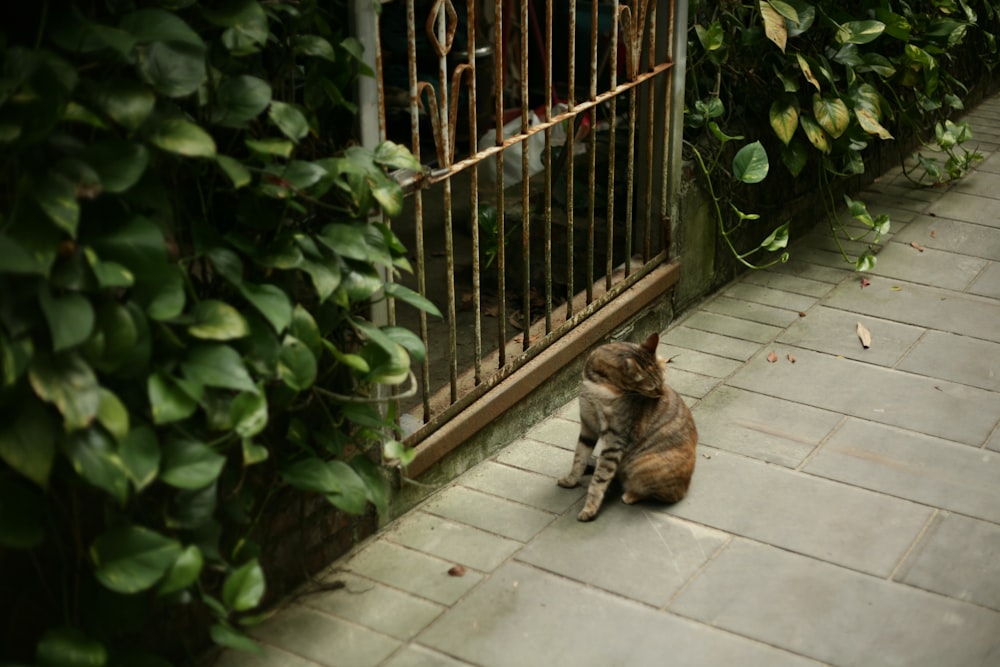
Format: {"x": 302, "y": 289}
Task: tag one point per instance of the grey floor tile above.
{"x": 710, "y": 343}
{"x": 835, "y": 332}
{"x": 733, "y": 327}
{"x": 450, "y": 541}
{"x": 958, "y": 557}
{"x": 557, "y": 430}
{"x": 987, "y": 283}
{"x": 629, "y": 550}
{"x": 921, "y": 306}
{"x": 968, "y": 208}
{"x": 696, "y": 362}
{"x": 910, "y": 465}
{"x": 953, "y": 236}
{"x": 570, "y": 411}
{"x": 418, "y": 656}
{"x": 958, "y": 358}
{"x": 936, "y": 407}
{"x": 982, "y": 183}
{"x": 521, "y": 486}
{"x": 828, "y": 520}
{"x": 802, "y": 269}
{"x": 373, "y": 605}
{"x": 835, "y": 615}
{"x": 497, "y": 515}
{"x": 788, "y": 283}
{"x": 755, "y": 312}
{"x": 537, "y": 457}
{"x": 528, "y": 618}
{"x": 762, "y": 427}
{"x": 325, "y": 639}
{"x": 769, "y": 297}
{"x": 946, "y": 269}
{"x": 411, "y": 571}
{"x": 994, "y": 442}
{"x": 694, "y": 385}
{"x": 272, "y": 657}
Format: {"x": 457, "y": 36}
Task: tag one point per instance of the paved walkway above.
{"x": 845, "y": 509}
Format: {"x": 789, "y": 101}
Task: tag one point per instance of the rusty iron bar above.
{"x": 650, "y": 135}
{"x": 568, "y": 149}
{"x": 547, "y": 192}
{"x": 542, "y": 344}
{"x": 591, "y": 151}
{"x": 613, "y": 113}
{"x": 471, "y": 32}
{"x": 498, "y": 89}
{"x": 525, "y": 187}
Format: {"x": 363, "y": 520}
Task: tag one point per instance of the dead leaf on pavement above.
{"x": 933, "y": 234}
{"x": 456, "y": 571}
{"x": 791, "y": 357}
{"x": 865, "y": 335}
{"x": 916, "y": 246}
{"x": 801, "y": 314}
{"x": 865, "y": 283}
{"x": 772, "y": 357}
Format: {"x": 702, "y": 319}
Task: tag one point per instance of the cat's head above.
{"x": 629, "y": 367}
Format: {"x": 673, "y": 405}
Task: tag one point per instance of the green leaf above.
{"x": 175, "y": 69}
{"x": 304, "y": 328}
{"x": 869, "y": 123}
{"x": 161, "y": 291}
{"x": 409, "y": 340}
{"x": 235, "y": 170}
{"x": 217, "y": 365}
{"x": 56, "y": 195}
{"x": 118, "y": 328}
{"x": 271, "y": 302}
{"x": 750, "y": 164}
{"x": 865, "y": 262}
{"x": 194, "y": 508}
{"x": 22, "y": 515}
{"x": 228, "y": 265}
{"x": 140, "y": 455}
{"x": 14, "y": 358}
{"x": 112, "y": 414}
{"x": 296, "y": 364}
{"x": 814, "y": 133}
{"x": 277, "y": 147}
{"x": 859, "y": 32}
{"x": 240, "y": 99}
{"x": 249, "y": 414}
{"x": 69, "y": 383}
{"x": 301, "y": 174}
{"x": 70, "y": 318}
{"x": 777, "y": 239}
{"x": 246, "y": 26}
{"x": 393, "y": 450}
{"x": 711, "y": 38}
{"x": 313, "y": 45}
{"x": 795, "y": 157}
{"x": 184, "y": 571}
{"x": 130, "y": 559}
{"x": 352, "y": 361}
{"x": 189, "y": 464}
{"x": 832, "y": 114}
{"x": 176, "y": 135}
{"x": 127, "y": 102}
{"x": 337, "y": 480}
{"x": 223, "y": 635}
{"x": 420, "y": 302}
{"x": 158, "y": 25}
{"x": 396, "y": 156}
{"x": 69, "y": 647}
{"x": 168, "y": 401}
{"x": 784, "y": 117}
{"x": 289, "y": 120}
{"x": 346, "y": 240}
{"x": 120, "y": 164}
{"x": 253, "y": 453}
{"x": 108, "y": 274}
{"x": 27, "y": 441}
{"x": 94, "y": 458}
{"x": 806, "y": 69}
{"x": 244, "y": 587}
{"x": 774, "y": 24}
{"x": 217, "y": 320}
{"x": 325, "y": 277}
{"x": 376, "y": 486}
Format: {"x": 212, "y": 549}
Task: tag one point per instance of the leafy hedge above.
{"x": 819, "y": 83}
{"x": 187, "y": 263}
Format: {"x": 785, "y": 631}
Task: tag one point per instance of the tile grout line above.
{"x": 913, "y": 545}
{"x": 819, "y": 445}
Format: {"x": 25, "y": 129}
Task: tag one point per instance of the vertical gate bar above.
{"x": 499, "y": 63}
{"x": 668, "y": 164}
{"x": 568, "y": 159}
{"x": 418, "y": 204}
{"x": 675, "y": 120}
{"x": 471, "y": 32}
{"x": 630, "y": 180}
{"x": 442, "y": 138}
{"x": 613, "y": 134}
{"x": 547, "y": 194}
{"x": 591, "y": 151}
{"x": 525, "y": 186}
{"x": 649, "y": 133}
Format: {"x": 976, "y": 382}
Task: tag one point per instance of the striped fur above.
{"x": 647, "y": 431}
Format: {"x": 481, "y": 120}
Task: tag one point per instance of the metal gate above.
{"x": 548, "y": 130}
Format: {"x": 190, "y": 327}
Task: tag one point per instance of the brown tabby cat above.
{"x": 648, "y": 432}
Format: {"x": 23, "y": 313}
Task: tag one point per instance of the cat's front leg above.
{"x": 607, "y": 466}
{"x": 584, "y": 448}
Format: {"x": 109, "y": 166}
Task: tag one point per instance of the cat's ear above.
{"x": 651, "y": 342}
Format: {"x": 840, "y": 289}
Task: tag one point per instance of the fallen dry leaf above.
{"x": 791, "y": 357}
{"x": 801, "y": 314}
{"x": 896, "y": 288}
{"x": 865, "y": 283}
{"x": 865, "y": 335}
{"x": 456, "y": 571}
{"x": 772, "y": 357}
{"x": 916, "y": 246}
{"x": 933, "y": 234}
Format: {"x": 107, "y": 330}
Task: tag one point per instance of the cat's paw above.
{"x": 567, "y": 482}
{"x": 628, "y": 498}
{"x": 586, "y": 514}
